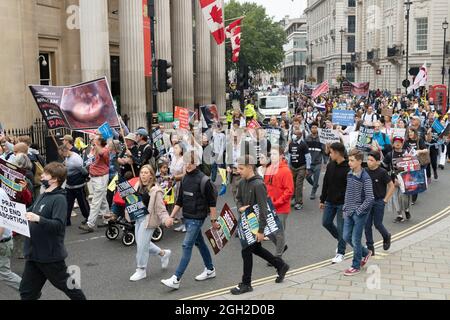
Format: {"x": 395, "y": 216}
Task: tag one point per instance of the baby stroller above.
{"x": 115, "y": 225}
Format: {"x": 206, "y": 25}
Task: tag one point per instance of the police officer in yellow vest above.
{"x": 250, "y": 112}
{"x": 229, "y": 117}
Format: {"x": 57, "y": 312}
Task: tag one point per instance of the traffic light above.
{"x": 243, "y": 77}
{"x": 164, "y": 75}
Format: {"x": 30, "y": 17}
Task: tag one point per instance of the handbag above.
{"x": 424, "y": 158}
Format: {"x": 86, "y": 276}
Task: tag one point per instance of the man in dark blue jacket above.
{"x": 45, "y": 251}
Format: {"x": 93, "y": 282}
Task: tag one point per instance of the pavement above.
{"x": 417, "y": 267}
{"x": 107, "y": 265}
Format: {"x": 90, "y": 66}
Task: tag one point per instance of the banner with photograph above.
{"x": 10, "y": 176}
{"x": 84, "y": 106}
{"x": 12, "y": 215}
{"x": 228, "y": 224}
{"x": 360, "y": 89}
{"x": 413, "y": 182}
{"x": 209, "y": 115}
{"x": 249, "y": 224}
{"x": 365, "y": 138}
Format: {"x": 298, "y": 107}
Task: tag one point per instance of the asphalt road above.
{"x": 107, "y": 265}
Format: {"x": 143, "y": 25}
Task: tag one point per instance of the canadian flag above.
{"x": 213, "y": 14}
{"x": 321, "y": 89}
{"x": 233, "y": 32}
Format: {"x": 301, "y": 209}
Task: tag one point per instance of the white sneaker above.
{"x": 338, "y": 259}
{"x": 181, "y": 228}
{"x": 139, "y": 275}
{"x": 206, "y": 274}
{"x": 171, "y": 282}
{"x": 165, "y": 259}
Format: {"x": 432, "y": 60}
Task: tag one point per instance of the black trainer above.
{"x": 282, "y": 273}
{"x": 240, "y": 289}
{"x": 387, "y": 243}
{"x": 371, "y": 249}
{"x": 407, "y": 215}
{"x": 436, "y": 176}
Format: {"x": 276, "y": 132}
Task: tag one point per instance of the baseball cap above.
{"x": 142, "y": 132}
{"x": 68, "y": 138}
{"x": 131, "y": 136}
{"x": 398, "y": 139}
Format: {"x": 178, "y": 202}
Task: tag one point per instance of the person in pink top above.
{"x": 99, "y": 173}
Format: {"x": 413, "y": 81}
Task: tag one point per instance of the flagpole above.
{"x": 234, "y": 18}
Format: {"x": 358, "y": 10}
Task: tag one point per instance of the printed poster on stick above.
{"x": 12, "y": 215}
{"x": 134, "y": 206}
{"x": 181, "y": 118}
{"x": 365, "y": 138}
{"x": 84, "y": 106}
{"x": 10, "y": 176}
{"x": 329, "y": 136}
{"x": 228, "y": 224}
{"x": 249, "y": 224}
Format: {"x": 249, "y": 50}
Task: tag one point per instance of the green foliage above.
{"x": 262, "y": 37}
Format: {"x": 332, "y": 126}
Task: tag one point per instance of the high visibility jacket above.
{"x": 250, "y": 112}
{"x": 229, "y": 116}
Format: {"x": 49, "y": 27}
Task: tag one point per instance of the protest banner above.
{"x": 344, "y": 118}
{"x": 106, "y": 131}
{"x": 253, "y": 124}
{"x": 413, "y": 182}
{"x": 273, "y": 135}
{"x": 248, "y": 225}
{"x": 365, "y": 138}
{"x": 10, "y": 176}
{"x": 398, "y": 132}
{"x": 329, "y": 136}
{"x": 437, "y": 126}
{"x": 12, "y": 215}
{"x": 228, "y": 224}
{"x": 446, "y": 131}
{"x": 407, "y": 164}
{"x": 158, "y": 141}
{"x": 395, "y": 118}
{"x": 360, "y": 89}
{"x": 134, "y": 206}
{"x": 181, "y": 118}
{"x": 84, "y": 106}
{"x": 209, "y": 115}
{"x": 387, "y": 112}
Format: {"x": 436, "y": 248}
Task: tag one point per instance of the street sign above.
{"x": 406, "y": 83}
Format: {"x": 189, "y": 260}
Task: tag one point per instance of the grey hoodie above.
{"x": 251, "y": 192}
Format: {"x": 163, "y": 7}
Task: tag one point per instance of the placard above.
{"x": 228, "y": 224}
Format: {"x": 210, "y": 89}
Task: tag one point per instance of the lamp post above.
{"x": 342, "y": 31}
{"x": 311, "y": 67}
{"x": 445, "y": 27}
{"x": 408, "y": 8}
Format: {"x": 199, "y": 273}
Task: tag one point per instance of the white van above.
{"x": 269, "y": 106}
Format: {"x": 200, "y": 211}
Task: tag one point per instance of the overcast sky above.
{"x": 281, "y": 8}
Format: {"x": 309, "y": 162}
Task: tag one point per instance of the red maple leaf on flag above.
{"x": 216, "y": 14}
{"x": 237, "y": 41}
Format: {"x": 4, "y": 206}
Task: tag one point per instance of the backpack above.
{"x": 203, "y": 182}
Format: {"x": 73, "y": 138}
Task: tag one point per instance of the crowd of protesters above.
{"x": 270, "y": 161}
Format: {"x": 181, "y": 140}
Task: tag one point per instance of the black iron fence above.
{"x": 42, "y": 139}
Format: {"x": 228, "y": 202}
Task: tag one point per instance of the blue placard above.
{"x": 344, "y": 117}
{"x": 106, "y": 131}
{"x": 395, "y": 118}
{"x": 437, "y": 126}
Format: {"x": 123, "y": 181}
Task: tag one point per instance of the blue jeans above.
{"x": 331, "y": 211}
{"x": 353, "y": 229}
{"x": 193, "y": 236}
{"x": 376, "y": 218}
{"x": 314, "y": 179}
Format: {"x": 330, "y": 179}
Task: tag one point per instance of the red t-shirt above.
{"x": 100, "y": 166}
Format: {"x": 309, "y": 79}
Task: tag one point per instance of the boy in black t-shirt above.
{"x": 300, "y": 162}
{"x": 383, "y": 189}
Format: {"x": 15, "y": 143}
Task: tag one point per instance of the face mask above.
{"x": 45, "y": 184}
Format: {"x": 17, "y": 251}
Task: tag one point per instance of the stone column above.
{"x": 70, "y": 40}
{"x": 218, "y": 74}
{"x": 182, "y": 53}
{"x": 163, "y": 48}
{"x": 132, "y": 78}
{"x": 202, "y": 58}
{"x": 94, "y": 39}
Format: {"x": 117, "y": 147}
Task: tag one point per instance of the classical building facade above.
{"x": 64, "y": 42}
{"x": 380, "y": 55}
{"x": 330, "y": 24}
{"x": 295, "y": 50}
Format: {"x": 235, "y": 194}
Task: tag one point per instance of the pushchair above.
{"x": 116, "y": 225}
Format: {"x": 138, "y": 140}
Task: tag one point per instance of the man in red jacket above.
{"x": 280, "y": 188}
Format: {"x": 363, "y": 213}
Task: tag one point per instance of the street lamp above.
{"x": 44, "y": 61}
{"x": 342, "y": 31}
{"x": 408, "y": 8}
{"x": 311, "y": 67}
{"x": 445, "y": 27}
